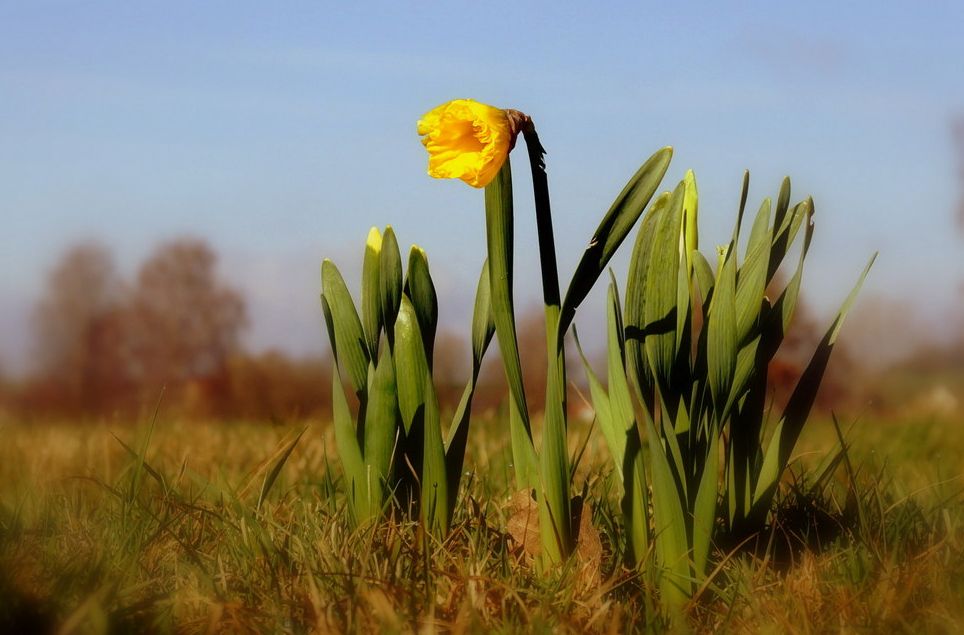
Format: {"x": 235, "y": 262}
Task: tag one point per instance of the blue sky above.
{"x": 281, "y": 132}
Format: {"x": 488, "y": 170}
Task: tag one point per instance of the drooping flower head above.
{"x": 466, "y": 140}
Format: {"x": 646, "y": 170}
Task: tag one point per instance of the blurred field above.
{"x": 94, "y": 541}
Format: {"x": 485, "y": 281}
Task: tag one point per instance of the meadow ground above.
{"x": 94, "y": 540}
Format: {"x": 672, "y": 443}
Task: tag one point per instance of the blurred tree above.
{"x": 274, "y": 387}
{"x": 76, "y": 329}
{"x": 185, "y": 321}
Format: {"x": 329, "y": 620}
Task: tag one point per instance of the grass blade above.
{"x": 272, "y": 475}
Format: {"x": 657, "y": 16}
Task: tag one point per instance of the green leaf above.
{"x": 482, "y": 331}
{"x": 752, "y": 281}
{"x": 435, "y": 496}
{"x": 635, "y": 320}
{"x": 785, "y": 232}
{"x": 344, "y": 328}
{"x": 483, "y": 326}
{"x": 390, "y": 281}
{"x": 635, "y": 502}
{"x": 603, "y": 409}
{"x": 411, "y": 367}
{"x": 499, "y": 238}
{"x": 798, "y": 407}
{"x": 421, "y": 291}
{"x": 690, "y": 218}
{"x": 704, "y": 509}
{"x": 554, "y": 509}
{"x": 672, "y": 551}
{"x": 779, "y": 318}
{"x": 746, "y": 365}
{"x": 524, "y": 461}
{"x": 703, "y": 273}
{"x": 272, "y": 475}
{"x": 621, "y": 403}
{"x": 381, "y": 424}
{"x": 721, "y": 335}
{"x": 783, "y": 204}
{"x": 613, "y": 229}
{"x": 371, "y": 308}
{"x": 662, "y": 281}
{"x": 348, "y": 451}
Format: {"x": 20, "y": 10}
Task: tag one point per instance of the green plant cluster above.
{"x": 392, "y": 448}
{"x": 684, "y": 412}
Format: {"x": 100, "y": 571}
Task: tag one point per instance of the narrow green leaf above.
{"x": 672, "y": 551}
{"x": 499, "y": 237}
{"x": 752, "y": 280}
{"x": 603, "y": 410}
{"x": 704, "y": 509}
{"x": 785, "y": 233}
{"x": 635, "y": 313}
{"x": 746, "y": 364}
{"x": 381, "y": 424}
{"x": 348, "y": 344}
{"x": 421, "y": 292}
{"x": 272, "y": 475}
{"x": 554, "y": 499}
{"x": 411, "y": 366}
{"x": 783, "y": 205}
{"x": 798, "y": 407}
{"x": 662, "y": 281}
{"x": 721, "y": 336}
{"x": 349, "y": 453}
{"x": 780, "y": 317}
{"x": 390, "y": 281}
{"x": 524, "y": 461}
{"x": 690, "y": 218}
{"x": 621, "y": 403}
{"x": 371, "y": 308}
{"x": 482, "y": 331}
{"x": 483, "y": 326}
{"x": 744, "y": 193}
{"x": 435, "y": 508}
{"x": 703, "y": 273}
{"x": 613, "y": 229}
{"x": 635, "y": 502}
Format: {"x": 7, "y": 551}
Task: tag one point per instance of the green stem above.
{"x": 554, "y": 496}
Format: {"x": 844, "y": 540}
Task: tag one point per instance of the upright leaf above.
{"x": 435, "y": 496}
{"x": 390, "y": 281}
{"x": 421, "y": 292}
{"x": 721, "y": 335}
{"x": 752, "y": 277}
{"x": 672, "y": 550}
{"x": 371, "y": 307}
{"x": 411, "y": 367}
{"x": 381, "y": 424}
{"x": 349, "y": 453}
{"x": 800, "y": 403}
{"x": 613, "y": 229}
{"x": 661, "y": 291}
{"x": 635, "y": 316}
{"x": 349, "y": 347}
{"x": 499, "y": 236}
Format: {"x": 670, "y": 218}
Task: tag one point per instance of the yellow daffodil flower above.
{"x": 466, "y": 140}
